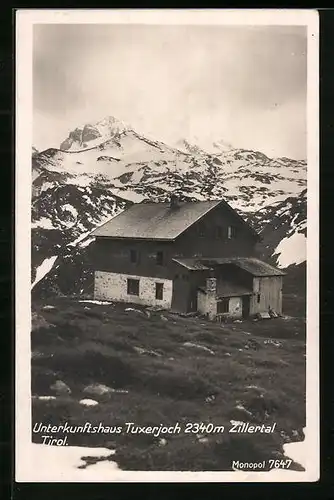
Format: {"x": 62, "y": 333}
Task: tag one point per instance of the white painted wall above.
{"x": 207, "y": 304}
{"x": 113, "y": 286}
{"x": 201, "y": 302}
{"x": 235, "y": 307}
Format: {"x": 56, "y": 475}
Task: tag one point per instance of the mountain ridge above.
{"x": 74, "y": 191}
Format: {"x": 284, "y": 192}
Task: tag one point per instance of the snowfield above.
{"x": 44, "y": 269}
{"x": 291, "y": 250}
{"x": 66, "y": 463}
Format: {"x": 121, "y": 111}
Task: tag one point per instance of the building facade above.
{"x": 188, "y": 257}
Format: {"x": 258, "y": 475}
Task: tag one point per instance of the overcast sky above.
{"x": 244, "y": 85}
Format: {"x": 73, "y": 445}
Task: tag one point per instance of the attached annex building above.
{"x": 185, "y": 256}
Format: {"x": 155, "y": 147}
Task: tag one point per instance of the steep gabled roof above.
{"x": 158, "y": 221}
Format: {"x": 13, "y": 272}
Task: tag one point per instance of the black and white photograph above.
{"x": 167, "y": 245}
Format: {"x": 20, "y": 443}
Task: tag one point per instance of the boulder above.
{"x": 60, "y": 388}
{"x": 98, "y": 389}
{"x": 88, "y": 402}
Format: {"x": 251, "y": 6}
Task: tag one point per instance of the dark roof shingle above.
{"x": 155, "y": 220}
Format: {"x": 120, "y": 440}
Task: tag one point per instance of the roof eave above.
{"x": 106, "y": 236}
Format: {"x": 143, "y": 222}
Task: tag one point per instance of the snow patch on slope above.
{"x": 291, "y": 250}
{"x": 44, "y": 269}
{"x": 64, "y": 463}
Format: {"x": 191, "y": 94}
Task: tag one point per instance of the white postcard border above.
{"x": 25, "y": 19}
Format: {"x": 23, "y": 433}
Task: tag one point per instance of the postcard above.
{"x": 167, "y": 288}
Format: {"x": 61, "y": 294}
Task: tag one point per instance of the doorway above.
{"x": 245, "y": 306}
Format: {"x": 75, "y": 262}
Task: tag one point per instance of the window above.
{"x": 133, "y": 287}
{"x": 258, "y": 298}
{"x": 160, "y": 258}
{"x": 159, "y": 291}
{"x": 134, "y": 256}
{"x": 223, "y": 306}
{"x": 231, "y": 232}
{"x": 219, "y": 232}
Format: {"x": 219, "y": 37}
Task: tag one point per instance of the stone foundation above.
{"x": 113, "y": 286}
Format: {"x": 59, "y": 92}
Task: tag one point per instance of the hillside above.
{"x": 112, "y": 364}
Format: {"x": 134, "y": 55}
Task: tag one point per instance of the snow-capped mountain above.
{"x": 87, "y": 135}
{"x": 138, "y": 166}
{"x": 107, "y": 166}
{"x": 202, "y": 146}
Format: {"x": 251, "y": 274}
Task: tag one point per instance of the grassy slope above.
{"x": 170, "y": 382}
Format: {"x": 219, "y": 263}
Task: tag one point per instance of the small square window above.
{"x": 223, "y": 305}
{"x": 133, "y": 287}
{"x": 231, "y": 232}
{"x": 219, "y": 232}
{"x": 159, "y": 291}
{"x": 160, "y": 258}
{"x": 258, "y": 298}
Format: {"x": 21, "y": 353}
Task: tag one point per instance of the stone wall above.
{"x": 113, "y": 286}
{"x": 207, "y": 304}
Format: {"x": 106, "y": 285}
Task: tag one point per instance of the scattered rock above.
{"x": 209, "y": 399}
{"x": 98, "y": 389}
{"x": 131, "y": 309}
{"x": 227, "y": 354}
{"x": 97, "y": 302}
{"x": 254, "y": 344}
{"x": 162, "y": 442}
{"x": 236, "y": 422}
{"x": 155, "y": 308}
{"x": 203, "y": 440}
{"x": 38, "y": 355}
{"x": 276, "y": 343}
{"x": 148, "y": 314}
{"x": 255, "y": 388}
{"x": 60, "y": 388}
{"x": 48, "y": 308}
{"x": 163, "y": 318}
{"x": 88, "y": 402}
{"x": 263, "y": 315}
{"x": 241, "y": 409}
{"x": 198, "y": 346}
{"x": 141, "y": 350}
{"x": 237, "y": 321}
{"x": 46, "y": 398}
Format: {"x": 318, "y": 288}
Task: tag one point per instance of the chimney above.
{"x": 211, "y": 285}
{"x": 174, "y": 201}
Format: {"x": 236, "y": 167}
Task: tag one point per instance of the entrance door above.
{"x": 193, "y": 300}
{"x": 245, "y": 306}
